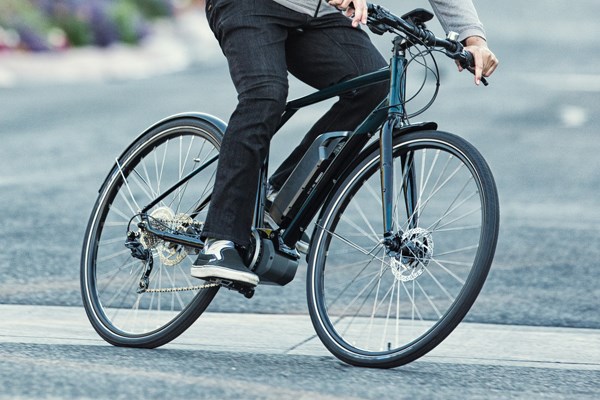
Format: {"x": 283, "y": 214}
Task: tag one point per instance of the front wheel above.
{"x": 136, "y": 288}
{"x": 384, "y": 303}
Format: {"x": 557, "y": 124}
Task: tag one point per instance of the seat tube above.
{"x": 261, "y": 195}
{"x": 395, "y": 113}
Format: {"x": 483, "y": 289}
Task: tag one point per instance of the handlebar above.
{"x": 381, "y": 20}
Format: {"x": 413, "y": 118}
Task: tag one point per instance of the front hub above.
{"x": 414, "y": 254}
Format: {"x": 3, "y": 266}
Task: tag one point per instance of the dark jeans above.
{"x": 262, "y": 40}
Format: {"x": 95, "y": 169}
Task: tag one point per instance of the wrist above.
{"x": 475, "y": 41}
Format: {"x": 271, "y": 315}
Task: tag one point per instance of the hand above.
{"x": 485, "y": 61}
{"x": 355, "y": 9}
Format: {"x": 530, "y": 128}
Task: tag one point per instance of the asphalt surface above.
{"x": 233, "y": 355}
{"x": 536, "y": 124}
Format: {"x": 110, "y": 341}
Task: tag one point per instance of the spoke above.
{"x": 465, "y": 215}
{"x": 353, "y": 245}
{"x": 376, "y": 306}
{"x": 421, "y": 207}
{"x": 185, "y": 275}
{"x": 411, "y": 298}
{"x": 353, "y": 317}
{"x": 373, "y": 235}
{"x": 148, "y": 180}
{"x": 431, "y": 168}
{"x": 128, "y": 189}
{"x": 460, "y": 228}
{"x": 334, "y": 301}
{"x": 114, "y": 271}
{"x": 113, "y": 255}
{"x": 438, "y": 283}
{"x": 102, "y": 286}
{"x": 452, "y": 274}
{"x": 459, "y": 263}
{"x": 461, "y": 250}
{"x": 115, "y": 223}
{"x": 348, "y": 266}
{"x": 387, "y": 316}
{"x": 127, "y": 283}
{"x": 194, "y": 208}
{"x": 429, "y": 300}
{"x": 208, "y": 188}
{"x": 105, "y": 242}
{"x": 381, "y": 271}
{"x": 180, "y": 192}
{"x": 142, "y": 184}
{"x": 453, "y": 206}
{"x": 126, "y": 219}
{"x": 132, "y": 209}
{"x": 157, "y": 283}
{"x": 397, "y": 330}
{"x": 187, "y": 154}
{"x": 159, "y": 172}
{"x": 176, "y": 295}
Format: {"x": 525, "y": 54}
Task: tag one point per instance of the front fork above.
{"x": 396, "y": 117}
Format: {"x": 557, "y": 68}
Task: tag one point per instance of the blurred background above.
{"x": 51, "y": 25}
{"x": 79, "y": 80}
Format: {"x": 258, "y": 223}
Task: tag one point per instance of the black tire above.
{"x": 110, "y": 276}
{"x": 376, "y": 308}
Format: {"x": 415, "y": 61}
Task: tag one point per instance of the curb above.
{"x": 470, "y": 343}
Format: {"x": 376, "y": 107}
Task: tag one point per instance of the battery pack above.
{"x": 297, "y": 187}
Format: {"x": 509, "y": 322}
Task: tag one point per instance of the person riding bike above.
{"x": 320, "y": 45}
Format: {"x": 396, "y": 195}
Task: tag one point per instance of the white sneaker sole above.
{"x": 215, "y": 271}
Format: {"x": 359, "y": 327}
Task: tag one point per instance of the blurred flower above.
{"x": 41, "y": 25}
{"x": 9, "y": 39}
{"x": 57, "y": 38}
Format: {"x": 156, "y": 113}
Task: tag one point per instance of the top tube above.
{"x": 368, "y": 79}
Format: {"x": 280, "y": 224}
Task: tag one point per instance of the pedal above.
{"x": 246, "y": 290}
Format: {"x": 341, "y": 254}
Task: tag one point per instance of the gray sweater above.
{"x": 454, "y": 15}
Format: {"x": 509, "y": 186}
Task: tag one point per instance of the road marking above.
{"x": 573, "y": 116}
{"x": 567, "y": 82}
{"x": 6, "y": 79}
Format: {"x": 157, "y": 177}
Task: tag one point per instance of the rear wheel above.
{"x": 120, "y": 312}
{"x": 382, "y": 304}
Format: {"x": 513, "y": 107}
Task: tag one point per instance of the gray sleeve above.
{"x": 459, "y": 16}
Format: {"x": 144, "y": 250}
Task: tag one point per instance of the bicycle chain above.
{"x": 182, "y": 289}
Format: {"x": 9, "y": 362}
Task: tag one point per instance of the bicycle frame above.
{"x": 387, "y": 117}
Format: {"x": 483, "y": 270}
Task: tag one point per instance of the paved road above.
{"x": 277, "y": 356}
{"x": 536, "y": 124}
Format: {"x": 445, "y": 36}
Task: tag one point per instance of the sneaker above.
{"x": 221, "y": 260}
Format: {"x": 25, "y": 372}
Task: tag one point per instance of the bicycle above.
{"x": 405, "y": 233}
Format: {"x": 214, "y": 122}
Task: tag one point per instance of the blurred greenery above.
{"x": 41, "y": 25}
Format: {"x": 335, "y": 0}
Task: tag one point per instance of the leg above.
{"x": 252, "y": 36}
{"x": 329, "y": 50}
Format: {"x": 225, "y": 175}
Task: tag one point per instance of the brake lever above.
{"x": 466, "y": 61}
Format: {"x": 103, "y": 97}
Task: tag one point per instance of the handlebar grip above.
{"x": 467, "y": 61}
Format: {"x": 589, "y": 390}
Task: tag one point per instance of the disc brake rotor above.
{"x": 164, "y": 219}
{"x": 417, "y": 251}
